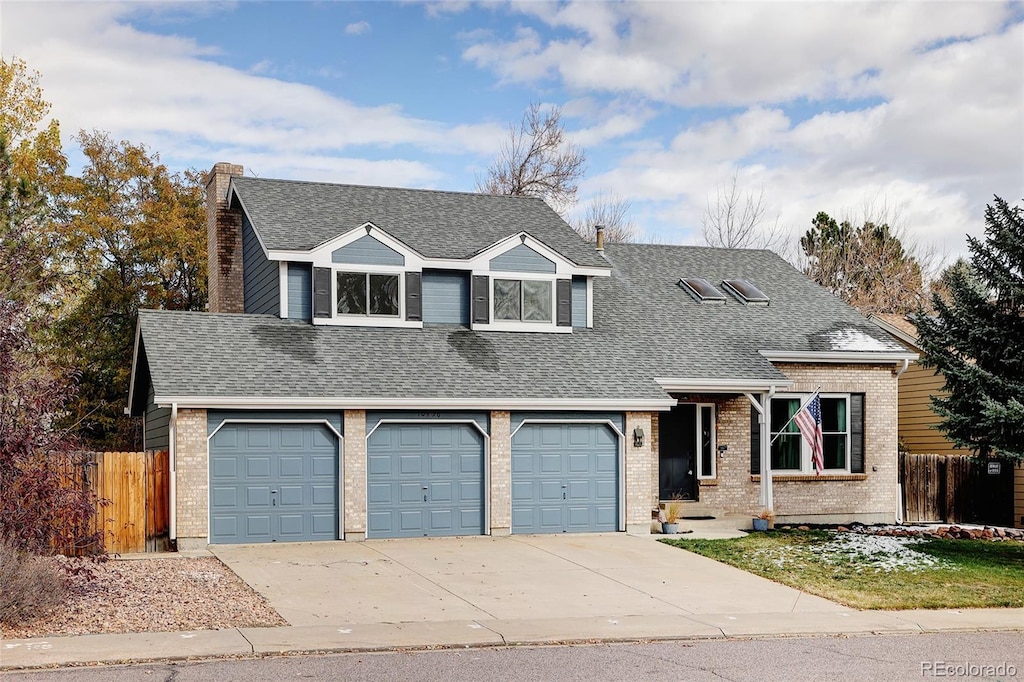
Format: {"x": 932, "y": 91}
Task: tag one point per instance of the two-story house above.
{"x": 382, "y": 362}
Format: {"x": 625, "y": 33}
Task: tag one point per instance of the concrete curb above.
{"x": 138, "y": 647}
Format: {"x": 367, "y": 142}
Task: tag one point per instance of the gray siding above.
{"x": 483, "y": 419}
{"x": 215, "y": 417}
{"x": 522, "y": 259}
{"x": 617, "y": 418}
{"x": 158, "y": 425}
{"x": 367, "y": 251}
{"x": 300, "y": 291}
{"x": 445, "y": 297}
{"x": 260, "y": 276}
{"x": 579, "y": 301}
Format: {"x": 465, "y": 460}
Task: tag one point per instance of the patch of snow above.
{"x": 862, "y": 553}
{"x": 855, "y": 339}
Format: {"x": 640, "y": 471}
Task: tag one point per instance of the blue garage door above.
{"x": 273, "y": 483}
{"x": 425, "y": 480}
{"x": 565, "y": 478}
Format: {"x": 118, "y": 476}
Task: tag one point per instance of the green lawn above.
{"x": 870, "y": 572}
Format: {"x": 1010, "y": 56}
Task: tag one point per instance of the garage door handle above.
{"x": 425, "y": 493}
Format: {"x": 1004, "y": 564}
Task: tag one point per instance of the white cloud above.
{"x": 100, "y": 72}
{"x": 358, "y": 28}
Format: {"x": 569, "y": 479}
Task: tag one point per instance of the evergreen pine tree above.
{"x": 976, "y": 340}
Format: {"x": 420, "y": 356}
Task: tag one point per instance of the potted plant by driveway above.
{"x": 763, "y": 519}
{"x": 669, "y": 517}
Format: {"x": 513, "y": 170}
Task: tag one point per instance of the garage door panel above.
{"x": 379, "y": 493}
{"x": 223, "y": 496}
{"x": 291, "y": 496}
{"x": 579, "y": 462}
{"x": 441, "y": 520}
{"x": 410, "y": 464}
{"x": 379, "y": 465}
{"x": 410, "y": 492}
{"x": 565, "y": 478}
{"x": 267, "y": 481}
{"x": 225, "y": 467}
{"x": 324, "y": 496}
{"x": 437, "y": 469}
{"x": 257, "y": 437}
{"x": 326, "y": 467}
{"x": 290, "y": 467}
{"x": 441, "y": 464}
{"x": 257, "y": 496}
{"x": 441, "y": 492}
{"x": 551, "y": 463}
{"x": 257, "y": 467}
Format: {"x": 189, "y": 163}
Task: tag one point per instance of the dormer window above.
{"x": 366, "y": 293}
{"x": 523, "y": 300}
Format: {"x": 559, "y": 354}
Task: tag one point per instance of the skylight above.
{"x": 745, "y": 291}
{"x": 701, "y": 290}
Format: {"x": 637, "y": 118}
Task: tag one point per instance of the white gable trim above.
{"x": 838, "y": 357}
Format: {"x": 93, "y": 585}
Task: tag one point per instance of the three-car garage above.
{"x": 279, "y": 477}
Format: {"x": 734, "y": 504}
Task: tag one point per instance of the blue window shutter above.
{"x": 413, "y": 296}
{"x": 563, "y": 300}
{"x": 857, "y": 433}
{"x": 481, "y": 299}
{"x": 321, "y": 292}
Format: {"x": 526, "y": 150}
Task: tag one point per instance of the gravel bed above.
{"x": 153, "y": 595}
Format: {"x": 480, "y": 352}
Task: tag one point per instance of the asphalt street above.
{"x": 975, "y": 656}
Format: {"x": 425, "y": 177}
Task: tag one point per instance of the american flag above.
{"x": 809, "y": 422}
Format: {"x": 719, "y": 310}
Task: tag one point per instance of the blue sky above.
{"x": 910, "y": 109}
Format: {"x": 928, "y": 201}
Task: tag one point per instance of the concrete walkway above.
{"x": 485, "y": 591}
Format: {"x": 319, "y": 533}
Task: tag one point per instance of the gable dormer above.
{"x": 387, "y": 257}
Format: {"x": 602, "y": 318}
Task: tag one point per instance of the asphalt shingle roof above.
{"x": 294, "y": 215}
{"x": 646, "y": 327}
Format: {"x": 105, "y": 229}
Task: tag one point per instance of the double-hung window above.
{"x": 523, "y": 300}
{"x": 367, "y": 293}
{"x": 790, "y": 450}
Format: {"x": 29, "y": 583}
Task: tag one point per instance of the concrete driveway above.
{"x": 510, "y": 578}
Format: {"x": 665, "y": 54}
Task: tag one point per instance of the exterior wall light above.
{"x": 638, "y": 437}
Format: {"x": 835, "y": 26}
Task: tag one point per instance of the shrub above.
{"x": 30, "y": 586}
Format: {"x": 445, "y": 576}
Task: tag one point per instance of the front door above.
{"x": 677, "y": 453}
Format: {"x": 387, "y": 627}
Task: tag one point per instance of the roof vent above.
{"x": 745, "y": 292}
{"x": 701, "y": 290}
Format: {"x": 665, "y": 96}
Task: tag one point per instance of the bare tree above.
{"x": 610, "y": 211}
{"x": 537, "y": 161}
{"x": 735, "y": 219}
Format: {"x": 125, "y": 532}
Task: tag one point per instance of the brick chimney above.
{"x": 223, "y": 242}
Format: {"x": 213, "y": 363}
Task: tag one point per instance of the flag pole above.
{"x": 807, "y": 402}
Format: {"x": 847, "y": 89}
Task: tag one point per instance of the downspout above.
{"x": 172, "y": 454}
{"x": 899, "y": 372}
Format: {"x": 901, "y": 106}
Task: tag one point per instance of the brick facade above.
{"x": 501, "y": 473}
{"x": 640, "y": 463}
{"x": 192, "y": 495}
{"x": 869, "y": 497}
{"x": 354, "y": 467}
{"x": 223, "y": 243}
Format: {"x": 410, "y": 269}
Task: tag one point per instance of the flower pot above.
{"x": 760, "y": 524}
{"x": 669, "y": 528}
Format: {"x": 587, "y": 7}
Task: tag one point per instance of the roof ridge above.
{"x": 386, "y": 187}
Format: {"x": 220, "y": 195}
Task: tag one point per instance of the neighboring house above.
{"x": 919, "y": 432}
{"x": 918, "y": 422}
{"x": 385, "y": 362}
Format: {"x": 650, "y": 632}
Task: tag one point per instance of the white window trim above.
{"x": 368, "y": 320}
{"x": 806, "y": 466}
{"x": 703, "y": 475}
{"x": 521, "y": 326}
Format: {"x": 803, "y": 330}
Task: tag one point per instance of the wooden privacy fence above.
{"x": 136, "y": 487}
{"x": 956, "y": 489}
